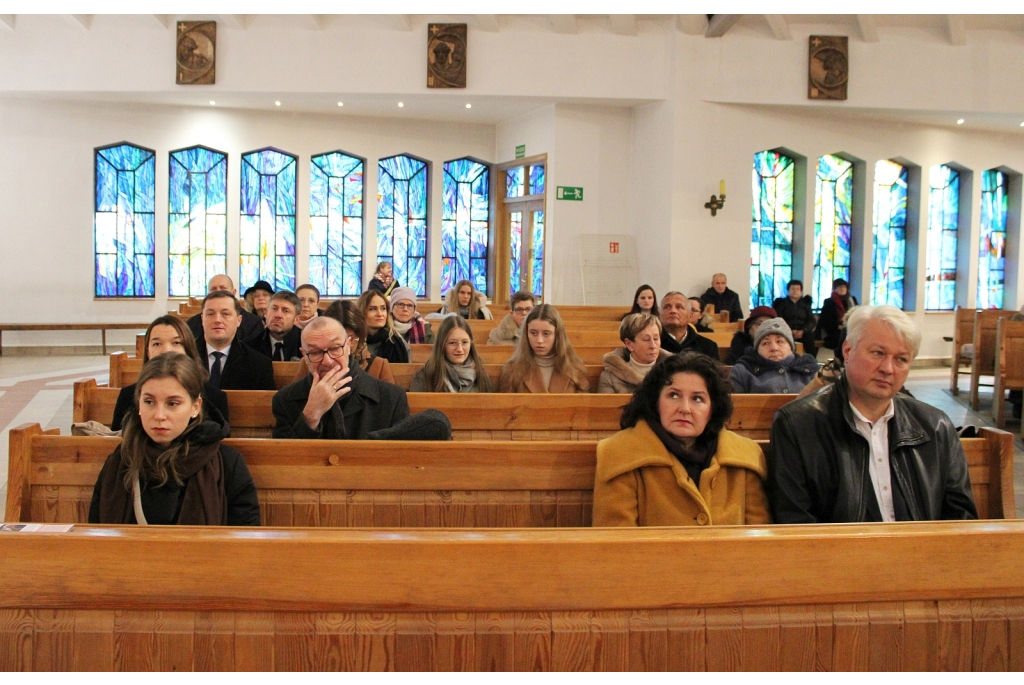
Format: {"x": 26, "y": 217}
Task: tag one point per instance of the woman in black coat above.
{"x": 382, "y": 339}
{"x": 833, "y": 311}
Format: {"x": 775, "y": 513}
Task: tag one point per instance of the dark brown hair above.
{"x": 434, "y": 368}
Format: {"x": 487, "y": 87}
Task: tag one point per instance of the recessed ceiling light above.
{"x": 341, "y": 104}
{"x": 469, "y": 106}
{"x": 959, "y": 121}
{"x": 1022, "y": 123}
{"x": 277, "y": 103}
{"x": 401, "y": 104}
{"x": 212, "y": 102}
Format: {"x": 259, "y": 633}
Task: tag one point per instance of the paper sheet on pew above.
{"x": 35, "y": 528}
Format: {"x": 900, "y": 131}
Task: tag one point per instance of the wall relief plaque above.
{"x": 828, "y": 68}
{"x": 446, "y": 56}
{"x": 195, "y": 53}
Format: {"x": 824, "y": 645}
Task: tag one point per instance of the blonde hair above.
{"x": 451, "y": 299}
{"x": 523, "y": 360}
{"x": 902, "y": 325}
{"x": 634, "y": 323}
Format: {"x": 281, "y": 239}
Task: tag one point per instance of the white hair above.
{"x": 904, "y": 327}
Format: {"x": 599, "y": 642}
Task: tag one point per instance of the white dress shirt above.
{"x": 877, "y": 435}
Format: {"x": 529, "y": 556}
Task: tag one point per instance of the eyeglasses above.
{"x": 336, "y": 352}
{"x": 456, "y": 344}
{"x": 404, "y": 305}
{"x": 523, "y": 310}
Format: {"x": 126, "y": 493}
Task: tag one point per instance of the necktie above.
{"x": 279, "y": 352}
{"x": 215, "y": 371}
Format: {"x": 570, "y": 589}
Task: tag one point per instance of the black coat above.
{"x": 264, "y": 344}
{"x": 391, "y": 348}
{"x": 728, "y": 301}
{"x": 799, "y": 315}
{"x": 692, "y": 342}
{"x": 818, "y": 467}
{"x": 244, "y": 369}
{"x": 250, "y": 326}
{"x": 740, "y": 342}
{"x": 214, "y": 399}
{"x": 830, "y": 323}
{"x": 377, "y": 285}
{"x": 372, "y": 405}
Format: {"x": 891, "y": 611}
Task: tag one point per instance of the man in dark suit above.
{"x": 251, "y": 324}
{"x": 281, "y": 339}
{"x": 678, "y": 335}
{"x": 337, "y": 400}
{"x": 232, "y": 365}
{"x": 724, "y": 299}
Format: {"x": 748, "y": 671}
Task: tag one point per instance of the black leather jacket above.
{"x": 818, "y": 470}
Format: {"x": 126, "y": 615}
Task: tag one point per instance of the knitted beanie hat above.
{"x": 402, "y": 293}
{"x": 778, "y": 327}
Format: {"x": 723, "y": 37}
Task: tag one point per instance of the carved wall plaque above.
{"x": 196, "y": 53}
{"x": 828, "y": 68}
{"x": 446, "y": 56}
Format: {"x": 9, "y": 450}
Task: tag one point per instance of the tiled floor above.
{"x": 38, "y": 390}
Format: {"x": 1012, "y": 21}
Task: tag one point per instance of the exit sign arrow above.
{"x": 569, "y": 193}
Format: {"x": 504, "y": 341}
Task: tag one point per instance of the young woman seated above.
{"x": 171, "y": 334}
{"x": 771, "y": 366}
{"x": 626, "y": 367}
{"x": 466, "y": 301}
{"x": 381, "y": 337}
{"x": 743, "y": 339}
{"x": 352, "y": 320}
{"x": 674, "y": 463}
{"x": 454, "y": 365}
{"x": 544, "y": 360}
{"x": 407, "y": 321}
{"x": 644, "y": 301}
{"x": 171, "y": 467}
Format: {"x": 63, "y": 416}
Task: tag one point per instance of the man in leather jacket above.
{"x": 858, "y": 450}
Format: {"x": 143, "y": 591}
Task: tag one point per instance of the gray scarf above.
{"x": 461, "y": 378}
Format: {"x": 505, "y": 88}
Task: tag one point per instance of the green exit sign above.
{"x": 520, "y": 151}
{"x": 569, "y": 193}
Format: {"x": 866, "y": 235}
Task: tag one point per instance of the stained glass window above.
{"x": 536, "y": 179}
{"x": 197, "y": 229}
{"x": 516, "y": 220}
{"x": 514, "y": 181}
{"x": 537, "y": 261}
{"x": 266, "y": 231}
{"x": 771, "y": 233}
{"x": 123, "y": 223}
{"x": 992, "y": 258}
{"x": 402, "y": 219}
{"x": 943, "y": 224}
{"x": 336, "y": 224}
{"x": 833, "y": 209}
{"x": 465, "y": 224}
{"x": 890, "y": 233}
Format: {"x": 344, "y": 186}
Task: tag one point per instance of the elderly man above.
{"x": 232, "y": 365}
{"x": 677, "y": 334}
{"x": 507, "y": 331}
{"x": 859, "y": 450}
{"x": 251, "y": 324}
{"x": 281, "y": 339}
{"x": 336, "y": 401}
{"x": 725, "y": 300}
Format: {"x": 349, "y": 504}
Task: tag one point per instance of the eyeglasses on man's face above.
{"x": 336, "y": 352}
{"x": 523, "y": 310}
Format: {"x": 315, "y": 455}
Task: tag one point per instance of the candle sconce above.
{"x": 715, "y": 204}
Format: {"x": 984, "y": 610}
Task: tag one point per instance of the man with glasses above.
{"x": 337, "y": 400}
{"x": 507, "y": 331}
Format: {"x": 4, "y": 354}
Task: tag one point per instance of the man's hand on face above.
{"x": 324, "y": 393}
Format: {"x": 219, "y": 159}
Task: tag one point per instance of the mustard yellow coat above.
{"x": 639, "y": 483}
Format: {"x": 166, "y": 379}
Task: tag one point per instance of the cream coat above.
{"x": 619, "y": 376}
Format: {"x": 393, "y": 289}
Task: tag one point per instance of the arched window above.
{"x": 465, "y": 223}
{"x": 197, "y": 229}
{"x": 402, "y": 219}
{"x": 266, "y": 230}
{"x": 943, "y": 227}
{"x": 889, "y": 251}
{"x": 833, "y": 212}
{"x": 336, "y": 224}
{"x": 771, "y": 235}
{"x": 123, "y": 224}
{"x": 992, "y": 257}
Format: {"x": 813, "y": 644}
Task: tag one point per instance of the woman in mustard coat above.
{"x": 674, "y": 463}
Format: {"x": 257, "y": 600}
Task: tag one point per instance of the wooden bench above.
{"x": 399, "y": 484}
{"x": 963, "y": 334}
{"x": 499, "y": 354}
{"x": 124, "y": 370}
{"x": 984, "y": 361}
{"x": 101, "y": 327}
{"x": 1009, "y": 365}
{"x": 473, "y": 417}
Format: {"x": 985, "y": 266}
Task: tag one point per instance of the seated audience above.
{"x": 466, "y": 301}
{"x": 352, "y": 320}
{"x": 171, "y": 467}
{"x": 309, "y": 301}
{"x": 724, "y": 299}
{"x": 700, "y": 321}
{"x": 257, "y": 299}
{"x": 232, "y": 364}
{"x": 454, "y": 365}
{"x": 626, "y": 367}
{"x": 677, "y": 335}
{"x": 741, "y": 340}
{"x": 251, "y": 324}
{"x": 795, "y": 308}
{"x": 772, "y": 366}
{"x": 382, "y": 339}
{"x": 544, "y": 360}
{"x": 337, "y": 401}
{"x": 383, "y": 280}
{"x": 644, "y": 301}
{"x": 280, "y": 340}
{"x": 508, "y": 329}
{"x": 833, "y": 311}
{"x": 674, "y": 463}
{"x": 406, "y": 320}
{"x": 859, "y": 450}
{"x": 169, "y": 334}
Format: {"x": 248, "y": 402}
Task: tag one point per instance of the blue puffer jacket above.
{"x": 755, "y": 374}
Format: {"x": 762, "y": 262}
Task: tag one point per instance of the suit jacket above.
{"x": 250, "y": 326}
{"x": 372, "y": 405}
{"x": 244, "y": 369}
{"x": 692, "y": 342}
{"x": 264, "y": 344}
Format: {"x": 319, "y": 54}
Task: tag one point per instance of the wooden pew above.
{"x": 124, "y": 370}
{"x": 399, "y": 484}
{"x": 984, "y": 362}
{"x": 1008, "y": 367}
{"x": 963, "y": 334}
{"x": 499, "y": 354}
{"x": 473, "y": 416}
